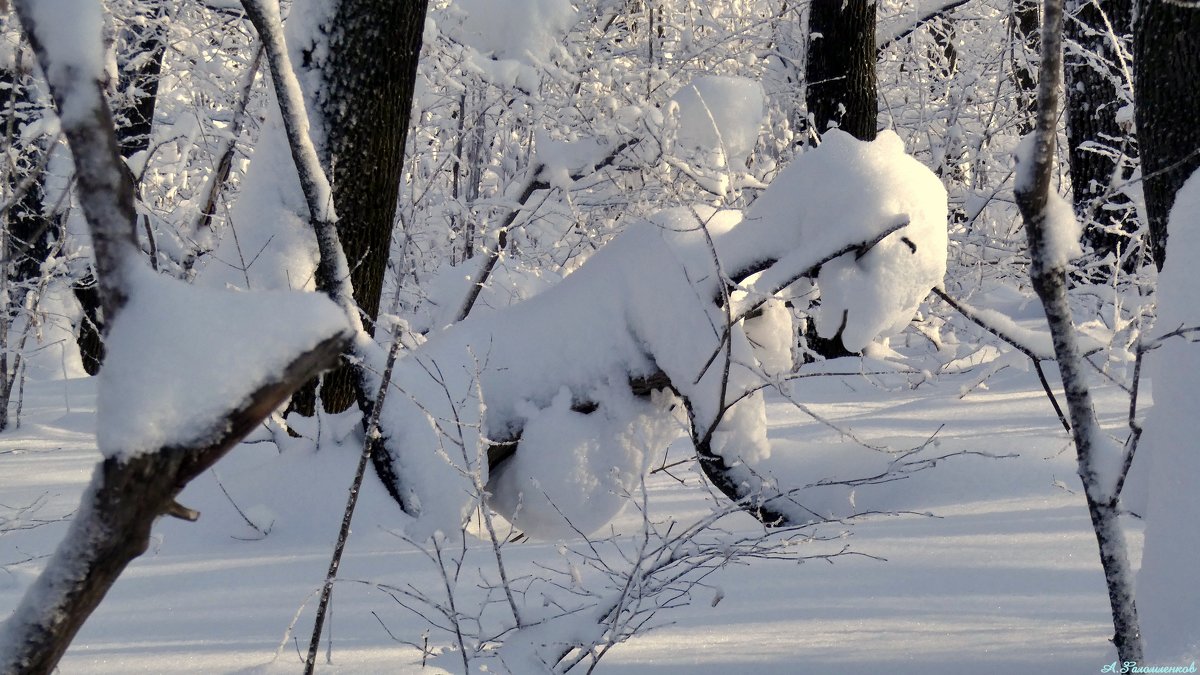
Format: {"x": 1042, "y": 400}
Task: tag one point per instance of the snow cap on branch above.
{"x": 72, "y": 31}
{"x": 717, "y": 122}
{"x": 1061, "y": 229}
{"x": 847, "y": 190}
{"x": 181, "y": 356}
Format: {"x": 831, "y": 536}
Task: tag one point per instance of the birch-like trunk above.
{"x": 1048, "y": 273}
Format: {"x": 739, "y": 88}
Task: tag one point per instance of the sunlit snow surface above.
{"x": 1005, "y": 578}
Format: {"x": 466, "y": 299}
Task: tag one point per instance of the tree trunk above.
{"x": 29, "y": 230}
{"x": 1099, "y": 148}
{"x": 1032, "y": 191}
{"x": 841, "y": 92}
{"x": 1023, "y": 25}
{"x": 1166, "y": 58}
{"x": 840, "y": 74}
{"x": 143, "y": 43}
{"x": 368, "y": 81}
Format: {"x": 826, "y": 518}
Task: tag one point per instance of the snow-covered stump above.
{"x": 189, "y": 371}
{"x": 1053, "y": 235}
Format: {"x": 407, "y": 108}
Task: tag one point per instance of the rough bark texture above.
{"x": 1097, "y": 144}
{"x": 1166, "y": 61}
{"x": 1023, "y": 26}
{"x": 374, "y": 46}
{"x": 840, "y": 74}
{"x": 143, "y": 43}
{"x": 1050, "y": 282}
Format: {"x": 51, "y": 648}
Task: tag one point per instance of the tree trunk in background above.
{"x": 25, "y": 232}
{"x": 141, "y": 47}
{"x": 1024, "y": 26}
{"x": 1166, "y": 58}
{"x": 1099, "y": 148}
{"x": 29, "y": 229}
{"x": 142, "y": 43}
{"x": 840, "y": 91}
{"x": 366, "y": 98}
{"x": 840, "y": 73}
{"x": 1166, "y": 41}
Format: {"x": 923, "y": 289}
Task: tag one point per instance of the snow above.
{"x": 510, "y": 282}
{"x": 1037, "y": 341}
{"x": 1061, "y": 230}
{"x": 180, "y": 357}
{"x": 646, "y": 301}
{"x": 850, "y": 190}
{"x": 1168, "y": 596}
{"x": 574, "y": 471}
{"x": 76, "y": 48}
{"x": 717, "y": 122}
{"x": 522, "y": 30}
{"x": 269, "y": 244}
{"x": 1004, "y": 578}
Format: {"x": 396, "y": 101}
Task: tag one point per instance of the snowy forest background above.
{"x": 634, "y": 306}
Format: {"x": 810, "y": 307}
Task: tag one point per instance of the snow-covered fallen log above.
{"x": 553, "y": 372}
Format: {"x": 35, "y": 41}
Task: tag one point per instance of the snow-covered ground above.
{"x": 1004, "y": 576}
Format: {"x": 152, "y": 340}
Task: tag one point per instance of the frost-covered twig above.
{"x": 938, "y": 11}
{"x": 1036, "y": 356}
{"x": 1096, "y": 469}
{"x": 220, "y": 176}
{"x": 533, "y": 183}
{"x": 370, "y": 443}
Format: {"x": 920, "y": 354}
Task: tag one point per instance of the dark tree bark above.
{"x": 1166, "y": 57}
{"x": 840, "y": 91}
{"x": 1099, "y": 148}
{"x": 1023, "y": 27}
{"x": 142, "y": 45}
{"x": 840, "y": 74}
{"x": 30, "y": 231}
{"x": 368, "y": 81}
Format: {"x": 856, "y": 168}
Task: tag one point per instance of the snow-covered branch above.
{"x": 333, "y": 272}
{"x": 72, "y": 58}
{"x": 559, "y": 366}
{"x": 1028, "y": 343}
{"x": 167, "y": 409}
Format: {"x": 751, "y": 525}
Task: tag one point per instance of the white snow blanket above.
{"x": 643, "y": 303}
